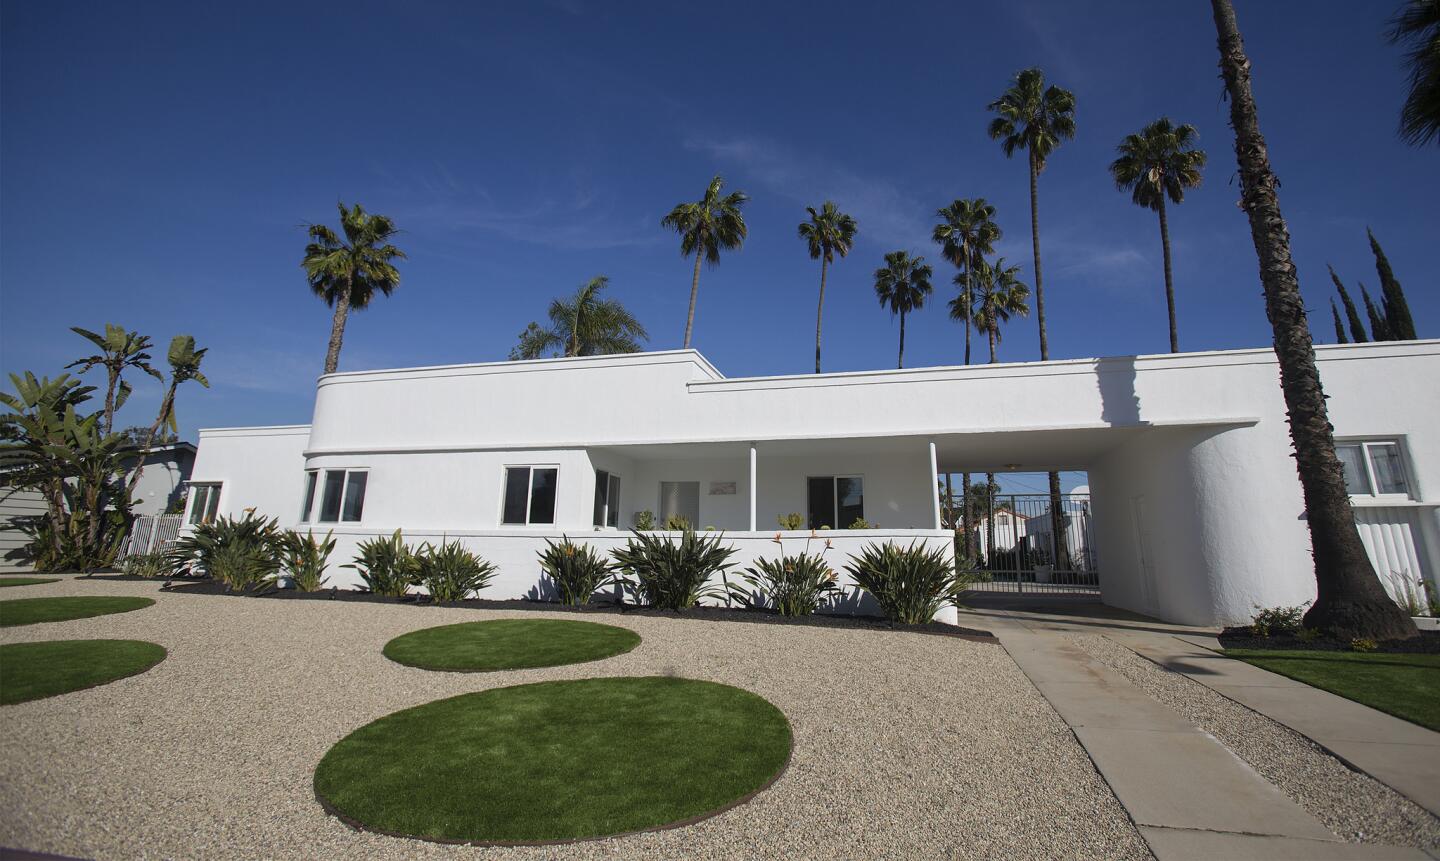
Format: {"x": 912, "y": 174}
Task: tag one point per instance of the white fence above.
{"x": 1394, "y": 537}
{"x": 153, "y": 534}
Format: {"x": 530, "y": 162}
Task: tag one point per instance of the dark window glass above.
{"x": 1389, "y": 474}
{"x": 821, "y": 505}
{"x": 212, "y": 505}
{"x": 612, "y": 501}
{"x": 310, "y": 478}
{"x": 602, "y": 490}
{"x": 850, "y": 495}
{"x": 542, "y": 495}
{"x": 200, "y": 495}
{"x": 517, "y": 489}
{"x": 355, "y": 496}
{"x": 330, "y": 500}
{"x": 1356, "y": 481}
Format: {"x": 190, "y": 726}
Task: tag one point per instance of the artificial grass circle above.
{"x": 33, "y": 671}
{"x": 509, "y": 644}
{"x": 557, "y": 761}
{"x": 30, "y": 611}
{"x": 26, "y": 581}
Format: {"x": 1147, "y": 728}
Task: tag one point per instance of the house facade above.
{"x": 1197, "y": 512}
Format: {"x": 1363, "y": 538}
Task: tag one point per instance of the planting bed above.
{"x": 1240, "y": 637}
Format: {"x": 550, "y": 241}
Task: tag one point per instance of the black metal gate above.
{"x": 1014, "y": 546}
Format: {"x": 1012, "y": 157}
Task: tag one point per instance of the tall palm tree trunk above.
{"x": 694, "y": 293}
{"x": 1350, "y": 601}
{"x": 1169, "y": 283}
{"x": 967, "y": 544}
{"x": 1057, "y": 520}
{"x": 968, "y": 309}
{"x": 901, "y": 362}
{"x": 820, "y": 312}
{"x": 990, "y": 520}
{"x": 337, "y": 328}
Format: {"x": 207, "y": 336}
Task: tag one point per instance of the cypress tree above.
{"x": 1378, "y": 327}
{"x": 1392, "y": 299}
{"x": 1357, "y": 327}
{"x": 1339, "y": 327}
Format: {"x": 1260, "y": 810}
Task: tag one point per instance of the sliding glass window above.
{"x": 529, "y": 495}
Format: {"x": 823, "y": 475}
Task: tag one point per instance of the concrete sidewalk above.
{"x": 1190, "y": 796}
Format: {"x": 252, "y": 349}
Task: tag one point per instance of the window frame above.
{"x": 211, "y": 491}
{"x": 835, "y": 496}
{"x": 311, "y": 485}
{"x": 610, "y": 508}
{"x": 1373, "y": 493}
{"x": 529, "y": 494}
{"x": 346, "y": 472}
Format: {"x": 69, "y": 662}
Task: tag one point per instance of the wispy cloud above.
{"x": 886, "y": 213}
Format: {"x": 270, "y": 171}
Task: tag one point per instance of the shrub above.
{"x": 1277, "y": 620}
{"x": 1410, "y": 592}
{"x": 672, "y": 574}
{"x": 577, "y": 570}
{"x": 1307, "y": 635}
{"x": 860, "y": 523}
{"x": 792, "y": 521}
{"x": 386, "y": 565}
{"x": 1363, "y": 644}
{"x": 146, "y": 565}
{"x": 304, "y": 558}
{"x": 451, "y": 572}
{"x": 241, "y": 552}
{"x": 677, "y": 523}
{"x": 793, "y": 585}
{"x": 910, "y": 583}
{"x": 645, "y": 520}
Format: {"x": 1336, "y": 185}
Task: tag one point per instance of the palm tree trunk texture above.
{"x": 694, "y": 293}
{"x": 167, "y": 403}
{"x": 968, "y": 309}
{"x": 967, "y": 543}
{"x": 1169, "y": 283}
{"x": 1057, "y": 521}
{"x": 337, "y": 328}
{"x": 820, "y": 312}
{"x": 990, "y": 521}
{"x": 901, "y": 362}
{"x": 1350, "y": 601}
{"x": 949, "y": 507}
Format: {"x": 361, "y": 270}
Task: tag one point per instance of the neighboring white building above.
{"x": 1196, "y": 505}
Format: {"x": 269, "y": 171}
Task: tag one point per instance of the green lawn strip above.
{"x": 26, "y": 581}
{"x": 559, "y": 760}
{"x": 30, "y": 611}
{"x": 509, "y": 644}
{"x": 32, "y": 671}
{"x": 1407, "y": 686}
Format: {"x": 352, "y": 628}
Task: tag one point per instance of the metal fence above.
{"x": 152, "y": 534}
{"x": 1018, "y": 551}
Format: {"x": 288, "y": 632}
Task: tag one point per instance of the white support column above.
{"x": 752, "y": 487}
{"x": 934, "y": 490}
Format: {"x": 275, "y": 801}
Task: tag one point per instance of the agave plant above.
{"x": 577, "y": 570}
{"x": 451, "y": 572}
{"x": 793, "y": 585}
{"x": 304, "y": 558}
{"x": 673, "y": 574}
{"x": 241, "y": 552}
{"x": 387, "y": 566}
{"x": 910, "y": 584}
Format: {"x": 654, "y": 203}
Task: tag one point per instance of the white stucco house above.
{"x": 1197, "y": 511}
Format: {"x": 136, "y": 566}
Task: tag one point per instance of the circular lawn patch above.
{"x": 557, "y": 761}
{"x": 29, "y": 611}
{"x": 33, "y": 671}
{"x": 509, "y": 644}
{"x": 26, "y": 581}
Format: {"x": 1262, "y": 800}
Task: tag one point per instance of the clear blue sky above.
{"x": 158, "y": 162}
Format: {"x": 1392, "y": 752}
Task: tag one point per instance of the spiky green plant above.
{"x": 451, "y": 572}
{"x": 674, "y": 574}
{"x": 793, "y": 585}
{"x": 155, "y": 564}
{"x": 304, "y": 558}
{"x": 577, "y": 570}
{"x": 910, "y": 584}
{"x": 387, "y": 566}
{"x": 240, "y": 552}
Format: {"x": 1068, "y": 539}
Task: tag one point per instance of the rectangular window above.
{"x": 835, "y": 502}
{"x": 310, "y": 479}
{"x": 682, "y": 499}
{"x": 1373, "y": 468}
{"x": 607, "y": 499}
{"x": 529, "y": 495}
{"x": 204, "y": 502}
{"x": 343, "y": 495}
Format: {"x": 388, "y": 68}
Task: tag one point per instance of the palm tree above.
{"x": 584, "y": 325}
{"x": 1418, "y": 25}
{"x": 119, "y": 350}
{"x": 347, "y": 273}
{"x": 827, "y": 233}
{"x": 966, "y": 233}
{"x": 184, "y": 362}
{"x": 1034, "y": 117}
{"x": 1159, "y": 162}
{"x": 902, "y": 285}
{"x": 706, "y": 227}
{"x": 1001, "y": 295}
{"x": 1350, "y": 601}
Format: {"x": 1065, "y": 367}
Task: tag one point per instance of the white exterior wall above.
{"x": 260, "y": 468}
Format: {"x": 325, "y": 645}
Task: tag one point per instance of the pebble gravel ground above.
{"x": 1353, "y": 805}
{"x": 906, "y": 745}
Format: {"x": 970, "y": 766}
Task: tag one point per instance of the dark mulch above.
{"x": 715, "y": 614}
{"x": 1428, "y": 643}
